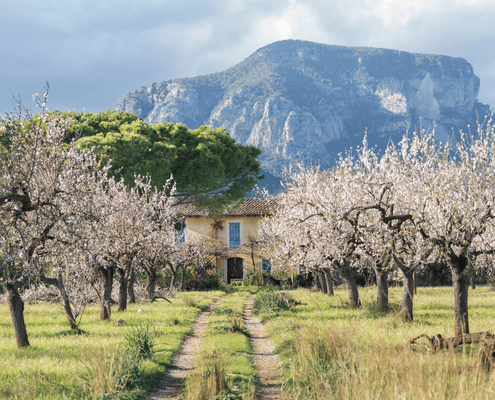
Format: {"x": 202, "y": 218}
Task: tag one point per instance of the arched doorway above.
{"x": 234, "y": 268}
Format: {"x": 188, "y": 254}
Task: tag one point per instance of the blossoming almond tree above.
{"x": 41, "y": 180}
{"x": 126, "y": 222}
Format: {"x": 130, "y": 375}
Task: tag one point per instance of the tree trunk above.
{"x": 150, "y": 284}
{"x": 328, "y": 279}
{"x": 59, "y": 284}
{"x": 173, "y": 281}
{"x": 408, "y": 294}
{"x": 460, "y": 278}
{"x": 65, "y": 299}
{"x": 123, "y": 280}
{"x": 350, "y": 282}
{"x": 382, "y": 286}
{"x": 182, "y": 278}
{"x": 106, "y": 300}
{"x": 130, "y": 287}
{"x": 323, "y": 282}
{"x": 415, "y": 281}
{"x": 472, "y": 276}
{"x": 317, "y": 283}
{"x": 16, "y": 306}
{"x": 492, "y": 283}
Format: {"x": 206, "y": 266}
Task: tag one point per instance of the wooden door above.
{"x": 234, "y": 268}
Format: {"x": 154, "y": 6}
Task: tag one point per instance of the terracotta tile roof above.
{"x": 242, "y": 207}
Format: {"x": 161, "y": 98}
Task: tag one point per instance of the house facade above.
{"x": 233, "y": 237}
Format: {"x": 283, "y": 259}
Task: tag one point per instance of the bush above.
{"x": 212, "y": 281}
{"x": 254, "y": 278}
{"x": 268, "y": 301}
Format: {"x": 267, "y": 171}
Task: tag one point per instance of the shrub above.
{"x": 212, "y": 281}
{"x": 253, "y": 278}
{"x": 268, "y": 301}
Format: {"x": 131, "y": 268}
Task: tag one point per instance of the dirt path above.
{"x": 183, "y": 362}
{"x": 265, "y": 360}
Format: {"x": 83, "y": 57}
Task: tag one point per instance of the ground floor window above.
{"x": 266, "y": 265}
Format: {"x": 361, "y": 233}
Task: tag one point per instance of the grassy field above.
{"x": 329, "y": 351}
{"x": 333, "y": 352}
{"x": 60, "y": 365}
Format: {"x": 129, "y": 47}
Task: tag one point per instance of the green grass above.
{"x": 225, "y": 364}
{"x": 332, "y": 351}
{"x": 329, "y": 350}
{"x": 52, "y": 367}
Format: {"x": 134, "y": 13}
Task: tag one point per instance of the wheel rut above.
{"x": 266, "y": 361}
{"x": 184, "y": 361}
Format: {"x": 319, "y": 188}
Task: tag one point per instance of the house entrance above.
{"x": 234, "y": 268}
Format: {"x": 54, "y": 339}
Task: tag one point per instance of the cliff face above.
{"x": 306, "y": 102}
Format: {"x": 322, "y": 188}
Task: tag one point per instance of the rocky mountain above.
{"x": 306, "y": 102}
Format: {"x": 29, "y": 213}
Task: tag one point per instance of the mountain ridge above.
{"x": 303, "y": 101}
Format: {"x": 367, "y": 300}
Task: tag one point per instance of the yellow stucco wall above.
{"x": 217, "y": 231}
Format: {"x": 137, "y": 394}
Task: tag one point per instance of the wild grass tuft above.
{"x": 209, "y": 379}
{"x": 140, "y": 340}
{"x": 107, "y": 376}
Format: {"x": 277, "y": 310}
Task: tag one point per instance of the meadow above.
{"x": 60, "y": 364}
{"x": 328, "y": 350}
{"x": 331, "y": 351}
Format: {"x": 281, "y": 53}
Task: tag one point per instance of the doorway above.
{"x": 234, "y": 268}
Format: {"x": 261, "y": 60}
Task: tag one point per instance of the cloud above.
{"x": 95, "y": 51}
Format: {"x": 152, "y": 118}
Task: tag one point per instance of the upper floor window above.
{"x": 234, "y": 234}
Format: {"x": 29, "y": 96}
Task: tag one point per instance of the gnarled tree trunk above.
{"x": 317, "y": 282}
{"x": 150, "y": 284}
{"x": 123, "y": 280}
{"x": 59, "y": 284}
{"x": 408, "y": 295}
{"x": 350, "y": 282}
{"x": 492, "y": 283}
{"x": 173, "y": 281}
{"x": 130, "y": 287}
{"x": 460, "y": 278}
{"x": 16, "y": 307}
{"x": 323, "y": 282}
{"x": 382, "y": 286}
{"x": 328, "y": 279}
{"x": 106, "y": 300}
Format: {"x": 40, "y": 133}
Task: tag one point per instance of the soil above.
{"x": 184, "y": 361}
{"x": 266, "y": 361}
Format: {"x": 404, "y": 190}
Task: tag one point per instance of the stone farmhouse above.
{"x": 232, "y": 236}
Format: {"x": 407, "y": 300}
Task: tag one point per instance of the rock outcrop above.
{"x": 306, "y": 102}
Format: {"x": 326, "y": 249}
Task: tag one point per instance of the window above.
{"x": 234, "y": 234}
{"x": 266, "y": 265}
{"x": 180, "y": 232}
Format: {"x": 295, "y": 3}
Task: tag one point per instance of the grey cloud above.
{"x": 93, "y": 52}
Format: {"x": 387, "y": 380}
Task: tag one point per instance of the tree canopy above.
{"x": 207, "y": 165}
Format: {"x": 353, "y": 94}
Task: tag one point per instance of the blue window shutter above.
{"x": 266, "y": 265}
{"x": 180, "y": 236}
{"x": 234, "y": 234}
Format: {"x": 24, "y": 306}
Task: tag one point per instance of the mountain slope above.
{"x": 306, "y": 102}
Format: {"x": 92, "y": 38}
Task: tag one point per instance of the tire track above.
{"x": 184, "y": 361}
{"x": 266, "y": 361}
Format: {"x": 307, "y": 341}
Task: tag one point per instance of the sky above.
{"x": 92, "y": 52}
